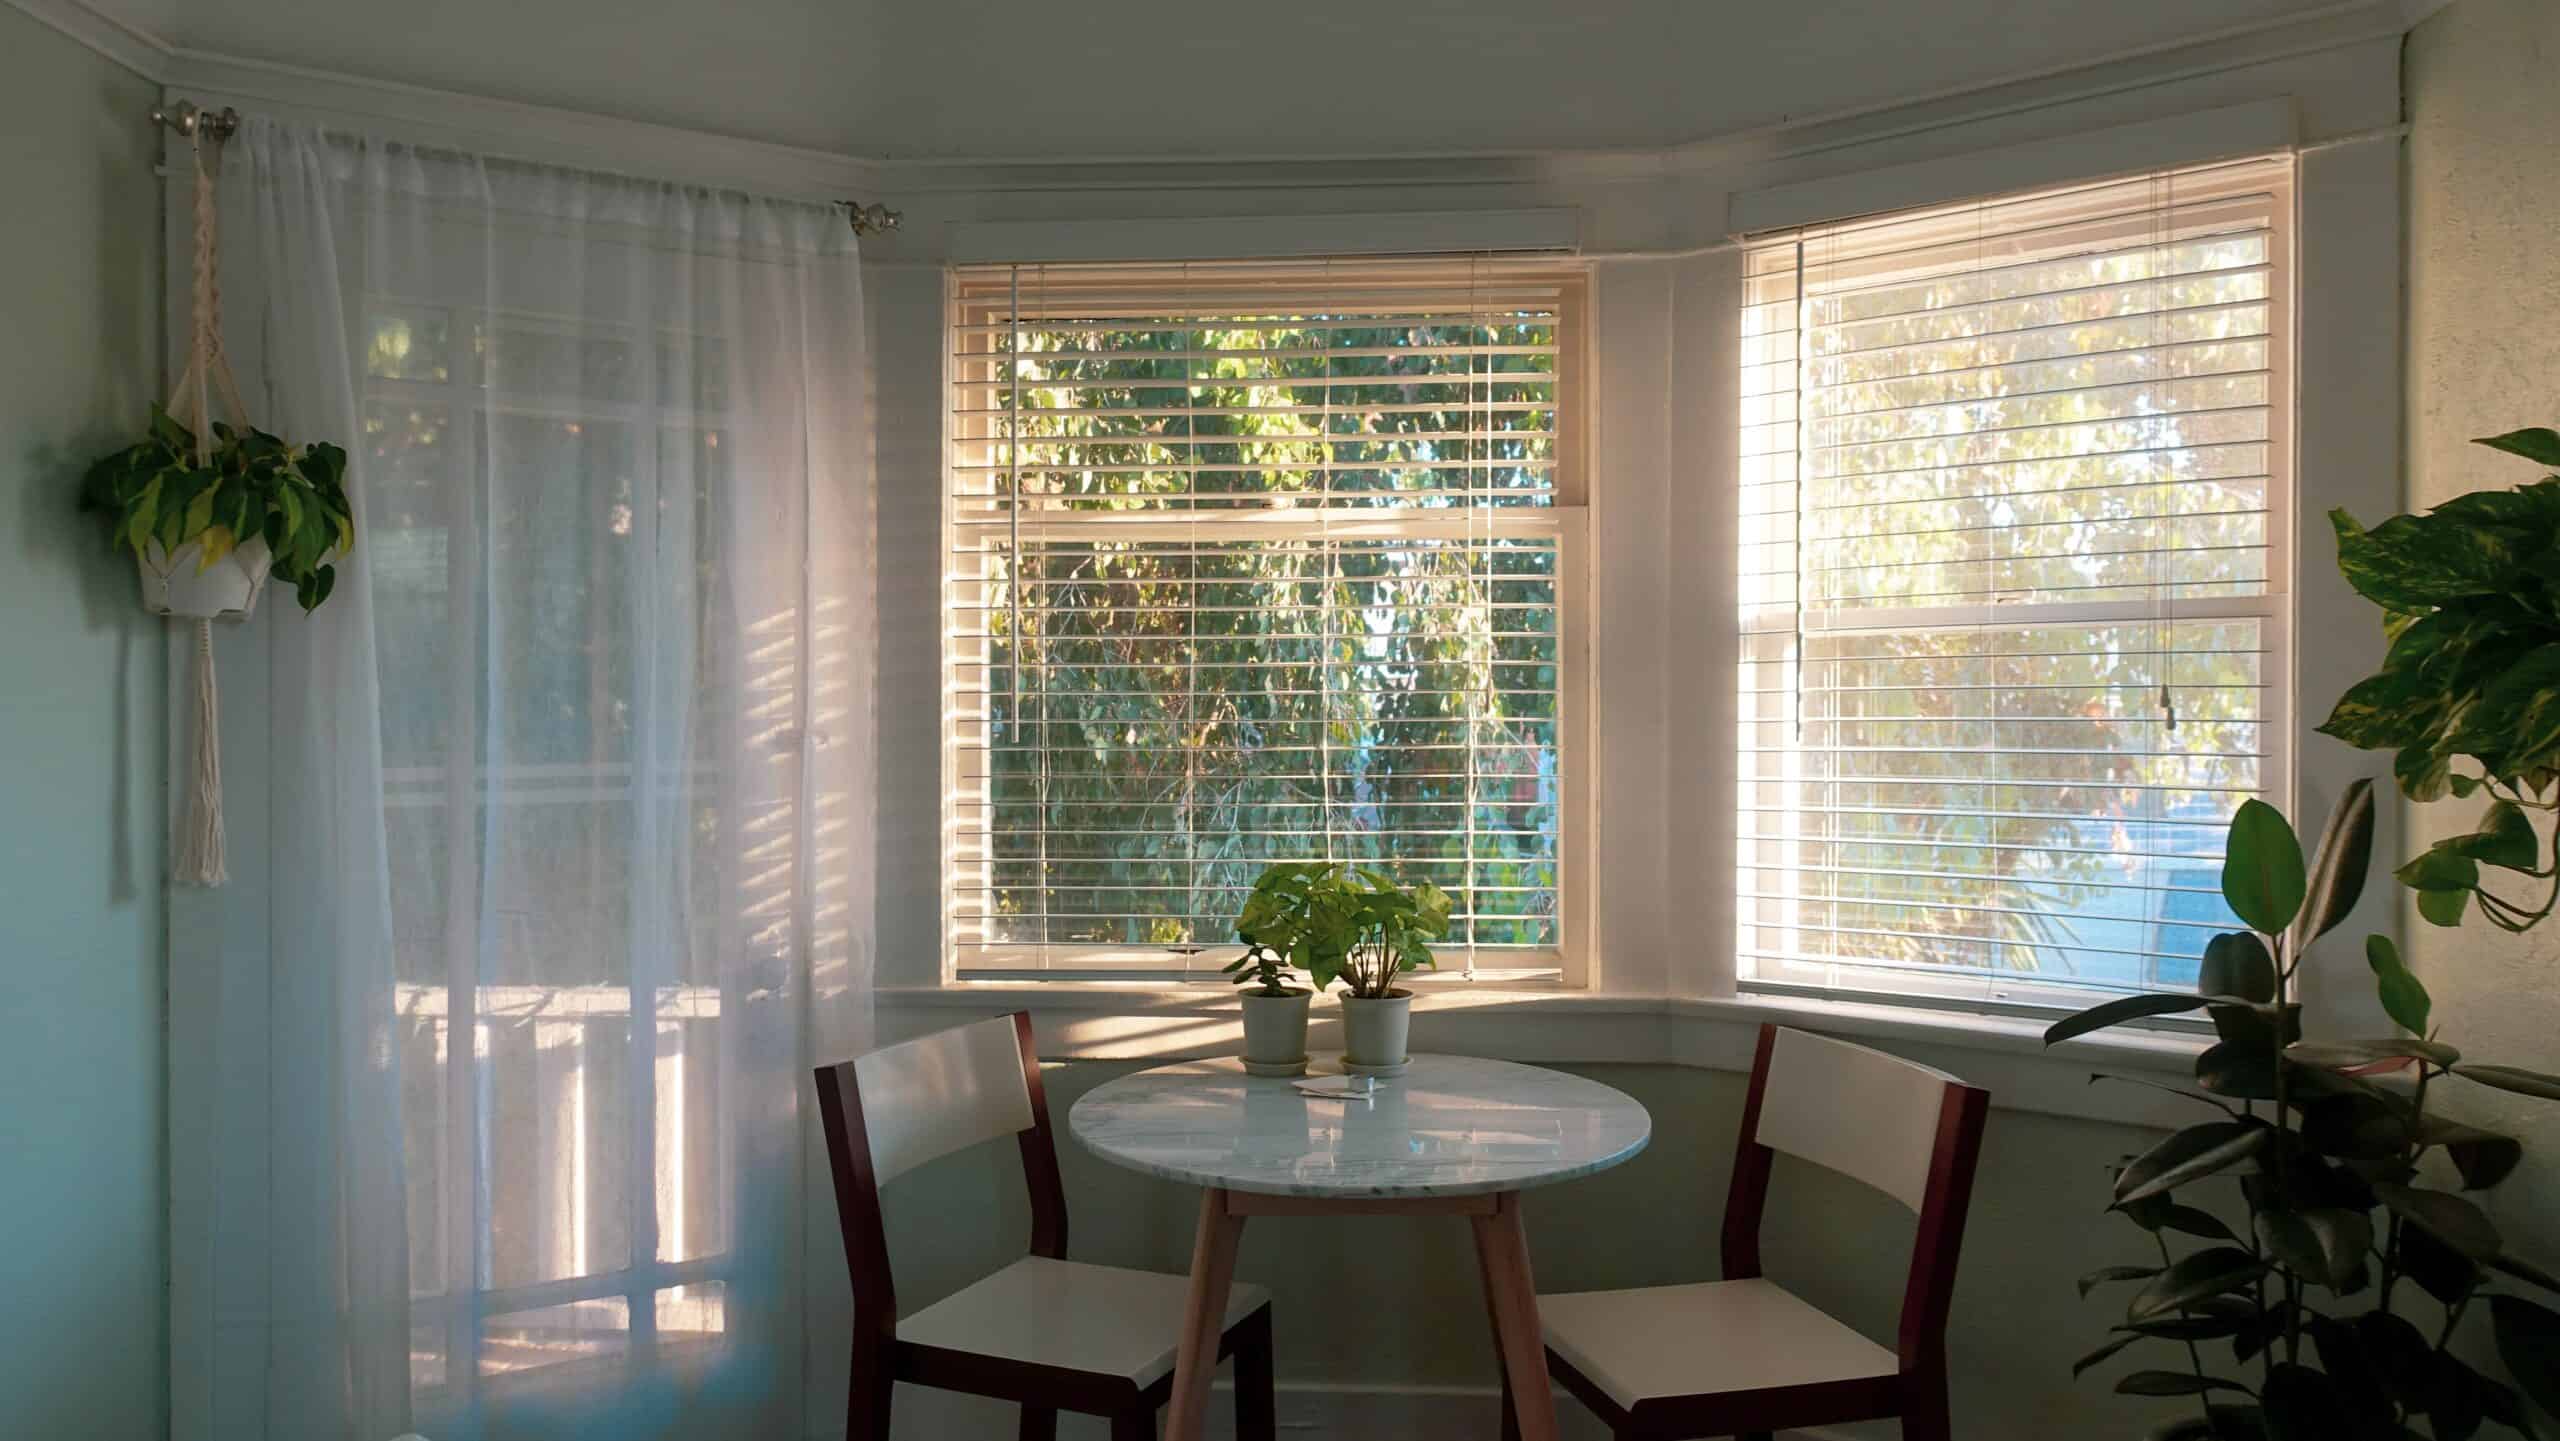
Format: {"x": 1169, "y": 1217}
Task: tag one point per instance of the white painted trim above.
{"x": 2232, "y": 131}
{"x": 562, "y": 136}
{"x": 1267, "y": 237}
{"x": 1100, "y": 1020}
{"x": 130, "y": 46}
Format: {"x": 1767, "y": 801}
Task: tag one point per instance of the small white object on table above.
{"x": 1453, "y": 1135}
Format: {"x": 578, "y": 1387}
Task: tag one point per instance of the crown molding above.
{"x": 2313, "y": 32}
{"x": 573, "y": 137}
{"x": 517, "y": 130}
{"x": 130, "y": 46}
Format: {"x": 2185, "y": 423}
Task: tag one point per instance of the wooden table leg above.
{"x": 1195, "y": 1360}
{"x": 1503, "y": 1249}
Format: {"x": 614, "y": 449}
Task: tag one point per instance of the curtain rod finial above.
{"x": 187, "y": 119}
{"x": 873, "y": 219}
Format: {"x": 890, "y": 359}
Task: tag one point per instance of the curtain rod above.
{"x": 190, "y": 119}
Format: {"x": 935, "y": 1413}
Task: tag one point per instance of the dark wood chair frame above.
{"x": 880, "y": 1359}
{"x": 1917, "y": 1392}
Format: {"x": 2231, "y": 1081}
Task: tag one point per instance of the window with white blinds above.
{"x": 2013, "y": 551}
{"x": 1252, "y": 563}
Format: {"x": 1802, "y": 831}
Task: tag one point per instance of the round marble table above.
{"x": 1454, "y": 1135}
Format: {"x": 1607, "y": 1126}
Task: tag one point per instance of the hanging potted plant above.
{"x": 207, "y": 527}
{"x": 211, "y": 510}
{"x": 1362, "y": 929}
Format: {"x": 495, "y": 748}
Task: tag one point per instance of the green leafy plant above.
{"x": 2285, "y": 1315}
{"x": 250, "y": 485}
{"x": 2470, "y": 595}
{"x": 1333, "y": 923}
{"x": 1271, "y": 925}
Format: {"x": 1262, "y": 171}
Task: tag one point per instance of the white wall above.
{"x": 2484, "y": 357}
{"x": 82, "y": 1192}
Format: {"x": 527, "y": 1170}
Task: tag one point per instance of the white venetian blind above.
{"x": 1252, "y": 563}
{"x": 2014, "y": 482}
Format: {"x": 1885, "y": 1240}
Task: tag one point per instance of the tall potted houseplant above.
{"x": 2311, "y": 1252}
{"x": 2469, "y": 692}
{"x": 1362, "y": 929}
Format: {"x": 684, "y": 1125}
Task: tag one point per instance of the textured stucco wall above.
{"x": 2484, "y": 338}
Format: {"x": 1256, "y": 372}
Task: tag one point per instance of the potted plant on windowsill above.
{"x": 1362, "y": 929}
{"x": 1272, "y": 926}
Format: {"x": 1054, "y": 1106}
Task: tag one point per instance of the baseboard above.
{"x": 1309, "y": 1410}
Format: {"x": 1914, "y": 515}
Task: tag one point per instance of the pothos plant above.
{"x": 2470, "y": 597}
{"x": 1331, "y": 922}
{"x": 157, "y": 493}
{"x": 2324, "y": 1305}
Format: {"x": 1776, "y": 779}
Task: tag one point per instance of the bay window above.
{"x": 2014, "y": 551}
{"x": 1251, "y": 563}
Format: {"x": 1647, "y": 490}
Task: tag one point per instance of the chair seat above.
{"x": 1708, "y": 1339}
{"x": 1100, "y": 1320}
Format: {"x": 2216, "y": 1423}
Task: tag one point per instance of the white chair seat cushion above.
{"x": 1102, "y": 1320}
{"x": 1707, "y": 1339}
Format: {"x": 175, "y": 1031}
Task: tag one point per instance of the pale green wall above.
{"x": 1383, "y": 1302}
{"x": 2484, "y": 337}
{"x": 83, "y": 1266}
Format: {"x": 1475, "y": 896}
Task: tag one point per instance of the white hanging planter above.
{"x": 183, "y": 586}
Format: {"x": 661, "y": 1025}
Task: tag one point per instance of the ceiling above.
{"x": 1093, "y": 79}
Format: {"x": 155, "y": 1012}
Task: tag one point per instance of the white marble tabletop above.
{"x": 1450, "y": 1126}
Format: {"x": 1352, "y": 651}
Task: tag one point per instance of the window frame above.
{"x": 1565, "y": 520}
{"x": 1971, "y": 989}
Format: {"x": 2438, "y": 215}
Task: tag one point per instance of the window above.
{"x": 2013, "y": 560}
{"x": 525, "y": 474}
{"x": 1252, "y": 563}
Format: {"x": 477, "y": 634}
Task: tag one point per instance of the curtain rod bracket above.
{"x": 187, "y": 119}
{"x": 873, "y": 219}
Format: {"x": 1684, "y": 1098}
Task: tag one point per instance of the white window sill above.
{"x": 1120, "y": 1021}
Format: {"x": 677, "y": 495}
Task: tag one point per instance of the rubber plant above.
{"x": 2311, "y": 1251}
{"x": 1334, "y": 923}
{"x": 2469, "y": 691}
{"x": 156, "y": 494}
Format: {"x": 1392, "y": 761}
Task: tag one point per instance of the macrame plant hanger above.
{"x": 208, "y": 372}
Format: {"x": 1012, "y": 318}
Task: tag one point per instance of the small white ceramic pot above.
{"x": 1374, "y": 1033}
{"x": 1275, "y": 1033}
{"x": 183, "y": 585}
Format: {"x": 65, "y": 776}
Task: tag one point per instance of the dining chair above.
{"x": 1743, "y": 1356}
{"x": 1045, "y": 1332}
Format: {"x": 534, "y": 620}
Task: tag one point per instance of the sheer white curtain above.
{"x": 561, "y": 850}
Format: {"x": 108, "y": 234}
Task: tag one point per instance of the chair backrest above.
{"x": 926, "y": 1098}
{"x": 891, "y": 1111}
{"x": 1909, "y": 1131}
{"x": 1869, "y": 1116}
